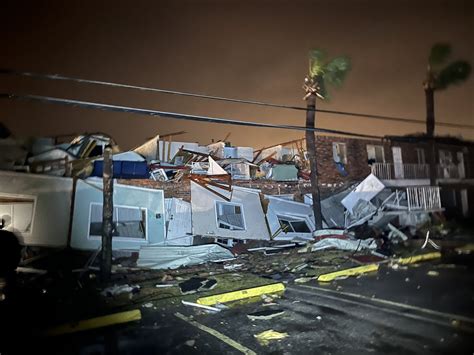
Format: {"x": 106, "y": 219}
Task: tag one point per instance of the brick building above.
{"x": 399, "y": 161}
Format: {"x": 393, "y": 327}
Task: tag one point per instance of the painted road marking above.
{"x": 431, "y": 312}
{"x": 217, "y": 334}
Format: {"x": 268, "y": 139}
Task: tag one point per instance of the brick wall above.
{"x": 356, "y": 167}
{"x": 182, "y": 189}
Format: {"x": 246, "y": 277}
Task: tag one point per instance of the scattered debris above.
{"x": 164, "y": 285}
{"x": 367, "y": 259}
{"x": 195, "y": 284}
{"x": 119, "y": 289}
{"x": 266, "y": 314}
{"x": 190, "y": 342}
{"x": 342, "y": 242}
{"x": 428, "y": 240}
{"x": 466, "y": 249}
{"x": 432, "y": 273}
{"x": 173, "y": 257}
{"x": 265, "y": 337}
{"x": 209, "y": 308}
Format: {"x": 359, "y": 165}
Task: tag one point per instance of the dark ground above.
{"x": 350, "y": 316}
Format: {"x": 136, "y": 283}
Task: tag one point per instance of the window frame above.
{"x": 34, "y": 198}
{"x": 216, "y": 210}
{"x": 374, "y": 146}
{"x": 297, "y": 219}
{"x": 120, "y": 238}
{"x": 336, "y": 146}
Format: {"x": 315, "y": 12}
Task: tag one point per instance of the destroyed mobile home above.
{"x": 182, "y": 193}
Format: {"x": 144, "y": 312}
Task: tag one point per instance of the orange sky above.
{"x": 244, "y": 49}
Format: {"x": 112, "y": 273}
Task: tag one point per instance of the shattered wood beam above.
{"x": 282, "y": 144}
{"x": 172, "y": 134}
{"x": 226, "y": 137}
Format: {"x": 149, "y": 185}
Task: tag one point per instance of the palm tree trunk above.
{"x": 430, "y": 127}
{"x": 311, "y": 149}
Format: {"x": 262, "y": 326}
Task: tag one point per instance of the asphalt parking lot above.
{"x": 391, "y": 311}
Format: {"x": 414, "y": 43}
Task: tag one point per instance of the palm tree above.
{"x": 321, "y": 74}
{"x": 439, "y": 78}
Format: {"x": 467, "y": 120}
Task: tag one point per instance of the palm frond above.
{"x": 316, "y": 62}
{"x": 336, "y": 71}
{"x": 439, "y": 53}
{"x": 454, "y": 73}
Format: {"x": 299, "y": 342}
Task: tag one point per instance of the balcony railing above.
{"x": 448, "y": 172}
{"x": 387, "y": 171}
{"x": 423, "y": 198}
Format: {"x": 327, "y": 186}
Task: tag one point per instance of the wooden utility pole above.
{"x": 311, "y": 149}
{"x": 430, "y": 125}
{"x": 107, "y": 215}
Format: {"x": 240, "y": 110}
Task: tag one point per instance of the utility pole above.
{"x": 430, "y": 125}
{"x": 107, "y": 215}
{"x": 311, "y": 149}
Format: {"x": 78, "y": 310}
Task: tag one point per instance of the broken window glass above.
{"x": 16, "y": 213}
{"x": 339, "y": 152}
{"x": 128, "y": 222}
{"x": 293, "y": 225}
{"x": 229, "y": 216}
{"x": 375, "y": 154}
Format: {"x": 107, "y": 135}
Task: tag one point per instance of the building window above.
{"x": 445, "y": 158}
{"x": 420, "y": 153}
{"x": 375, "y": 154}
{"x": 127, "y": 221}
{"x": 293, "y": 225}
{"x": 339, "y": 152}
{"x": 17, "y": 213}
{"x": 230, "y": 216}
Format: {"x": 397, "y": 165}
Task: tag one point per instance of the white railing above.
{"x": 448, "y": 172}
{"x": 423, "y": 198}
{"x": 386, "y": 171}
{"x": 416, "y": 171}
{"x": 383, "y": 171}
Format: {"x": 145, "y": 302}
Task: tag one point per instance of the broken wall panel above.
{"x": 138, "y": 216}
{"x": 36, "y": 207}
{"x": 240, "y": 218}
{"x": 289, "y": 220}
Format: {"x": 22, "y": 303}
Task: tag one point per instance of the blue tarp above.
{"x": 124, "y": 169}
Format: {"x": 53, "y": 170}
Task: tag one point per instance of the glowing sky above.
{"x": 244, "y": 49}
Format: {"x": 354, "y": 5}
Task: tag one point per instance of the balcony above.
{"x": 389, "y": 171}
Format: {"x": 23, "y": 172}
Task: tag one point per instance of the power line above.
{"x": 174, "y": 115}
{"x": 219, "y": 98}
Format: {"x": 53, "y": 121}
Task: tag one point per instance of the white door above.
{"x": 397, "y": 162}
